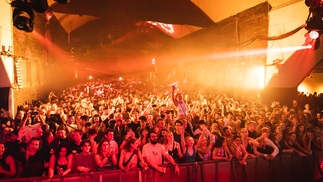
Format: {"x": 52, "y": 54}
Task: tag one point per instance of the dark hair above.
{"x": 36, "y": 139}
{"x": 99, "y": 150}
{"x": 79, "y": 131}
{"x": 236, "y": 136}
{"x": 88, "y": 124}
{"x": 179, "y": 121}
{"x": 143, "y": 118}
{"x": 59, "y": 148}
{"x": 108, "y": 131}
{"x": 130, "y": 141}
{"x": 151, "y": 133}
{"x": 61, "y": 127}
{"x": 85, "y": 117}
{"x": 141, "y": 130}
{"x": 6, "y": 153}
{"x": 85, "y": 141}
{"x": 218, "y": 143}
{"x": 46, "y": 134}
{"x": 297, "y": 130}
{"x": 92, "y": 131}
{"x": 290, "y": 133}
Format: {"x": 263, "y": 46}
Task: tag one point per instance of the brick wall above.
{"x": 222, "y": 56}
{"x": 39, "y": 71}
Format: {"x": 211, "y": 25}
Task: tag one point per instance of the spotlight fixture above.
{"x": 23, "y": 18}
{"x": 23, "y": 13}
{"x": 314, "y": 23}
{"x": 312, "y": 39}
{"x": 314, "y": 34}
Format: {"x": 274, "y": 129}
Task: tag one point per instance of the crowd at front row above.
{"x": 41, "y": 145}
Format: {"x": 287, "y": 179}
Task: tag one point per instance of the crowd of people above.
{"x": 108, "y": 125}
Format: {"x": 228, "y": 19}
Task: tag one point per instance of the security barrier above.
{"x": 284, "y": 168}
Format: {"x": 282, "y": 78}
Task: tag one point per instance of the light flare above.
{"x": 258, "y": 52}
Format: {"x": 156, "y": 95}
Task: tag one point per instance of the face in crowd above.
{"x": 33, "y": 146}
{"x": 153, "y": 138}
{"x": 86, "y": 147}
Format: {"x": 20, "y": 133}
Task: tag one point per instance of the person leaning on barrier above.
{"x": 221, "y": 150}
{"x": 61, "y": 161}
{"x": 32, "y": 159}
{"x": 266, "y": 147}
{"x": 153, "y": 152}
{"x": 130, "y": 155}
{"x": 292, "y": 143}
{"x": 106, "y": 158}
{"x": 238, "y": 150}
{"x": 84, "y": 161}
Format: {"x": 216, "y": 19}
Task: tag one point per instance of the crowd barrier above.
{"x": 284, "y": 168}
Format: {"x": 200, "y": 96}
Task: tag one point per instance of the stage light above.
{"x": 314, "y": 34}
{"x": 312, "y": 44}
{"x": 23, "y": 14}
{"x": 23, "y": 18}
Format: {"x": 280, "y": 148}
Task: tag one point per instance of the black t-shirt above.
{"x": 253, "y": 134}
{"x": 34, "y": 166}
{"x": 177, "y": 137}
{"x": 134, "y": 127}
{"x": 75, "y": 147}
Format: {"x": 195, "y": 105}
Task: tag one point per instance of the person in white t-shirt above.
{"x": 152, "y": 152}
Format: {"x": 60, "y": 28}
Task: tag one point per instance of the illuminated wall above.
{"x": 6, "y": 68}
{"x": 224, "y": 56}
{"x": 312, "y": 83}
{"x": 5, "y": 24}
{"x": 281, "y": 21}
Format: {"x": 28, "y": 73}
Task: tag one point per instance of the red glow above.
{"x": 48, "y": 15}
{"x": 58, "y": 54}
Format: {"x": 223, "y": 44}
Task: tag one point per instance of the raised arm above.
{"x": 173, "y": 96}
{"x": 183, "y": 143}
{"x": 197, "y": 145}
